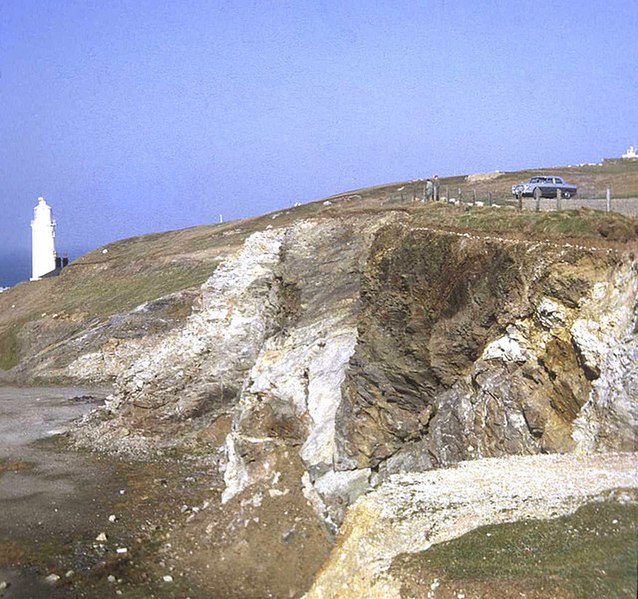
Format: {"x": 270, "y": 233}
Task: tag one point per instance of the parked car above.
{"x": 544, "y": 187}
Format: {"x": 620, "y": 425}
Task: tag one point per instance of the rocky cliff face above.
{"x": 369, "y": 344}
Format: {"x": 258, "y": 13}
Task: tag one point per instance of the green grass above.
{"x": 8, "y": 348}
{"x": 105, "y": 295}
{"x": 581, "y": 223}
{"x": 591, "y": 553}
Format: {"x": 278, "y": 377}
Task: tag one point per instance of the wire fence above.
{"x": 417, "y": 191}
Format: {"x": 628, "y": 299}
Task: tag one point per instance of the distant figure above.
{"x": 429, "y": 190}
{"x": 435, "y": 182}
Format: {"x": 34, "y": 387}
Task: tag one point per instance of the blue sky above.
{"x": 134, "y": 116}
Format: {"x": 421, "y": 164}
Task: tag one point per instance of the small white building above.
{"x": 630, "y": 153}
{"x": 42, "y": 241}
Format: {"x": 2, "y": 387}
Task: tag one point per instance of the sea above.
{"x": 14, "y": 267}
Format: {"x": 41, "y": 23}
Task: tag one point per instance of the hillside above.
{"x": 592, "y": 180}
{"x": 317, "y": 362}
{"x": 127, "y": 273}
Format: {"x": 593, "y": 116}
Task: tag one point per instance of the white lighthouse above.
{"x": 42, "y": 241}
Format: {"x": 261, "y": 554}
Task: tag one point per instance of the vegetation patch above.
{"x": 591, "y": 553}
{"x": 8, "y": 348}
{"x": 569, "y": 224}
{"x": 113, "y": 293}
{"x": 10, "y": 552}
{"x": 7, "y": 465}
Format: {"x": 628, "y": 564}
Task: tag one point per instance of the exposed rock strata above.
{"x": 370, "y": 346}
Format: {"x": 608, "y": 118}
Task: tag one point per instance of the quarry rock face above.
{"x": 609, "y": 346}
{"x": 369, "y": 345}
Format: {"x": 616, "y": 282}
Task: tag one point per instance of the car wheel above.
{"x": 538, "y": 194}
{"x": 567, "y": 195}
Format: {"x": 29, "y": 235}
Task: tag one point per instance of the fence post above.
{"x": 460, "y": 198}
{"x": 558, "y": 198}
{"x": 447, "y": 193}
{"x": 608, "y": 200}
{"x": 520, "y": 201}
{"x": 474, "y": 197}
{"x": 489, "y": 198}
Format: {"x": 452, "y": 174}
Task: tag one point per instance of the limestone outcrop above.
{"x": 370, "y": 345}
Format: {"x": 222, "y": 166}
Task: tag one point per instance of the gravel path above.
{"x": 410, "y": 513}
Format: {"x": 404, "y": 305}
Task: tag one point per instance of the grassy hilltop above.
{"x": 127, "y": 273}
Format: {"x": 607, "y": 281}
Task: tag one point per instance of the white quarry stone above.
{"x": 277, "y": 492}
{"x": 609, "y": 346}
{"x": 550, "y": 313}
{"x": 52, "y": 579}
{"x": 586, "y": 336}
{"x": 236, "y": 476}
{"x": 326, "y": 376}
{"x": 280, "y": 369}
{"x": 347, "y": 483}
{"x": 609, "y": 419}
{"x": 508, "y": 348}
{"x": 303, "y": 374}
{"x": 330, "y": 495}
